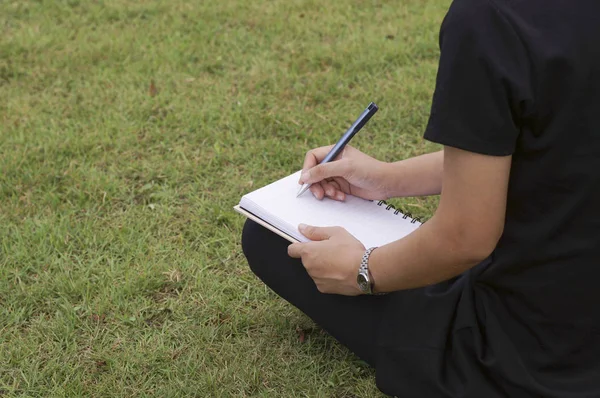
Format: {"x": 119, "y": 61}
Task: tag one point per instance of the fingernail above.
{"x": 305, "y": 175}
{"x": 301, "y": 227}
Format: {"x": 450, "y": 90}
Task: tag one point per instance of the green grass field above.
{"x": 128, "y": 130}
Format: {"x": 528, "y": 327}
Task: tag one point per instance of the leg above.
{"x": 351, "y": 320}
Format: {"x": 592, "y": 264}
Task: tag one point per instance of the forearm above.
{"x": 417, "y": 176}
{"x": 465, "y": 229}
{"x": 427, "y": 256}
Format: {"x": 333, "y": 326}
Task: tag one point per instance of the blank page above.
{"x": 370, "y": 223}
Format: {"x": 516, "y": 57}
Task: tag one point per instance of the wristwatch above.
{"x": 364, "y": 278}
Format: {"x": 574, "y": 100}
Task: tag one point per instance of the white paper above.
{"x": 371, "y": 224}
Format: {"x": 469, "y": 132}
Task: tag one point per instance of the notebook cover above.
{"x": 264, "y": 224}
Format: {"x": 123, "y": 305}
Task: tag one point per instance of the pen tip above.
{"x": 302, "y": 189}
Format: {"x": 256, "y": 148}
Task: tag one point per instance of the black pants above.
{"x": 353, "y": 321}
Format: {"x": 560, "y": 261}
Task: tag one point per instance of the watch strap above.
{"x": 364, "y": 267}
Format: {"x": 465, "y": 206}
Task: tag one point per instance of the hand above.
{"x": 332, "y": 259}
{"x": 352, "y": 173}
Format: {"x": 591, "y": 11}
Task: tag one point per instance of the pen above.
{"x": 342, "y": 142}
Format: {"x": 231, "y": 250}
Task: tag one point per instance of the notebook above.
{"x": 275, "y": 206}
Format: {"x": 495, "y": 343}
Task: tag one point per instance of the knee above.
{"x": 255, "y": 242}
{"x": 248, "y": 236}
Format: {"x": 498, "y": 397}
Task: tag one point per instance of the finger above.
{"x": 338, "y": 168}
{"x": 318, "y": 233}
{"x": 317, "y": 190}
{"x": 314, "y": 156}
{"x": 295, "y": 250}
{"x": 338, "y": 192}
{"x": 341, "y": 196}
{"x": 329, "y": 189}
{"x": 335, "y": 184}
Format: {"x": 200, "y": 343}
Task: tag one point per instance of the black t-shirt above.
{"x": 520, "y": 78}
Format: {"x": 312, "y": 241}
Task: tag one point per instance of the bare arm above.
{"x": 358, "y": 174}
{"x": 418, "y": 176}
{"x": 464, "y": 230}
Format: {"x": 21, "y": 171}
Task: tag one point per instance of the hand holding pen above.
{"x": 337, "y": 170}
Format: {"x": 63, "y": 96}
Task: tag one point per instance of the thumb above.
{"x": 316, "y": 233}
{"x": 338, "y": 168}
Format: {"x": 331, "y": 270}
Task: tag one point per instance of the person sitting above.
{"x": 496, "y": 295}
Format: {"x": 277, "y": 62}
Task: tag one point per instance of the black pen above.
{"x": 342, "y": 142}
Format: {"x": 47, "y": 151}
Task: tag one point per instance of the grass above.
{"x": 128, "y": 130}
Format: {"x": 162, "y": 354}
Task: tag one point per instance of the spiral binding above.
{"x": 405, "y": 215}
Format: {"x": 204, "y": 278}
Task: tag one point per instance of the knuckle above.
{"x": 310, "y": 158}
{"x": 302, "y": 251}
{"x": 317, "y": 171}
{"x": 308, "y": 251}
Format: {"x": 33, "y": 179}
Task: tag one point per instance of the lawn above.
{"x": 128, "y": 130}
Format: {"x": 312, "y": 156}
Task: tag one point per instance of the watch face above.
{"x": 363, "y": 282}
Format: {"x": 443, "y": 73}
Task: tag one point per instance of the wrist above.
{"x": 364, "y": 278}
{"x": 375, "y": 275}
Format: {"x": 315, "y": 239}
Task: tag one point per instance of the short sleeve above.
{"x": 481, "y": 82}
